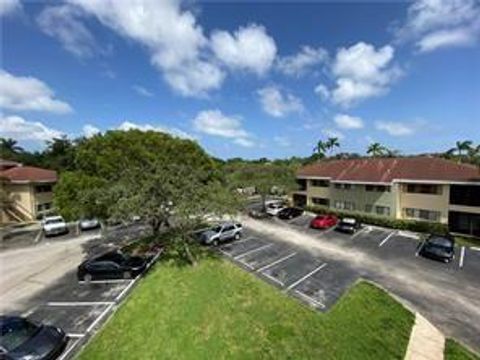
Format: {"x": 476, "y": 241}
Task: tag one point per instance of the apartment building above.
{"x": 26, "y": 191}
{"x": 417, "y": 188}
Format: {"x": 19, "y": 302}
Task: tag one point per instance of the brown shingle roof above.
{"x": 29, "y": 174}
{"x": 388, "y": 169}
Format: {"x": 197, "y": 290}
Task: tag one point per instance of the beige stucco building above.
{"x": 26, "y": 192}
{"x": 417, "y": 188}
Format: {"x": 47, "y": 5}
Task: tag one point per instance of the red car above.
{"x": 323, "y": 221}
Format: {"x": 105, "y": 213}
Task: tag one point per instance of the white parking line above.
{"x": 273, "y": 279}
{"x": 474, "y": 248}
{"x": 276, "y": 262}
{"x": 310, "y": 299}
{"x": 462, "y": 256}
{"x": 78, "y": 303}
{"x": 420, "y": 248}
{"x": 124, "y": 291}
{"x": 100, "y": 317}
{"x": 386, "y": 239}
{"x": 75, "y": 335}
{"x": 252, "y": 251}
{"x": 68, "y": 350}
{"x": 365, "y": 229}
{"x": 224, "y": 252}
{"x": 303, "y": 278}
{"x": 246, "y": 264}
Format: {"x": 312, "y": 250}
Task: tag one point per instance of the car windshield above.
{"x": 441, "y": 242}
{"x": 15, "y": 333}
{"x": 53, "y": 221}
{"x": 217, "y": 229}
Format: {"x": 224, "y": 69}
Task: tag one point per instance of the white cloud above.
{"x": 361, "y": 72}
{"x": 29, "y": 94}
{"x": 395, "y": 128}
{"x": 333, "y": 133}
{"x": 435, "y": 24}
{"x": 128, "y": 125}
{"x": 298, "y": 64}
{"x": 277, "y": 103}
{"x": 249, "y": 48}
{"x": 142, "y": 91}
{"x": 214, "y": 122}
{"x": 18, "y": 128}
{"x": 323, "y": 91}
{"x": 90, "y": 130}
{"x": 9, "y": 6}
{"x": 171, "y": 34}
{"x": 63, "y": 23}
{"x": 345, "y": 121}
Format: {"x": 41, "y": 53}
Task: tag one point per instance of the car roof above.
{"x": 441, "y": 240}
{"x": 349, "y": 220}
{"x": 56, "y": 217}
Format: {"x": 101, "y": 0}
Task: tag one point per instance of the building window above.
{"x": 422, "y": 214}
{"x": 377, "y": 188}
{"x": 382, "y": 210}
{"x": 424, "y": 189}
{"x": 43, "y": 188}
{"x": 44, "y": 207}
{"x": 468, "y": 195}
{"x": 320, "y": 201}
{"x": 368, "y": 208}
{"x": 302, "y": 184}
{"x": 345, "y": 205}
{"x": 343, "y": 186}
{"x": 320, "y": 183}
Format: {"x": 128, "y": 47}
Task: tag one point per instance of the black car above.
{"x": 111, "y": 265}
{"x": 348, "y": 225}
{"x": 22, "y": 339}
{"x": 439, "y": 247}
{"x": 290, "y": 213}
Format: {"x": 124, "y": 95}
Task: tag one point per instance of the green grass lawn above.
{"x": 218, "y": 311}
{"x": 455, "y": 351}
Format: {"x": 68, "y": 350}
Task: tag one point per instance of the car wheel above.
{"x": 87, "y": 278}
{"x": 237, "y": 236}
{"x": 215, "y": 242}
{"x": 127, "y": 275}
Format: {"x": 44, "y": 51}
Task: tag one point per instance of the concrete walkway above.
{"x": 426, "y": 341}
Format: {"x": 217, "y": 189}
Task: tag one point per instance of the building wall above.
{"x": 431, "y": 202}
{"x": 361, "y": 198}
{"x": 22, "y": 195}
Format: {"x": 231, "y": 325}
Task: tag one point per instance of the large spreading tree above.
{"x": 165, "y": 180}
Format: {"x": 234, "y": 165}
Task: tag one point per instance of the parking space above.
{"x": 302, "y": 221}
{"x": 241, "y": 246}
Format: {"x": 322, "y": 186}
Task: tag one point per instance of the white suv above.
{"x": 274, "y": 208}
{"x": 221, "y": 233}
{"x": 54, "y": 225}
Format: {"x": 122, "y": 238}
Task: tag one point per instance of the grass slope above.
{"x": 455, "y": 351}
{"x": 217, "y": 311}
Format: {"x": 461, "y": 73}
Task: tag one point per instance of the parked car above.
{"x": 439, "y": 247}
{"x": 323, "y": 221}
{"x": 348, "y": 225}
{"x": 54, "y": 225}
{"x": 258, "y": 214}
{"x": 221, "y": 233}
{"x": 111, "y": 265}
{"x": 290, "y": 213}
{"x": 89, "y": 224}
{"x": 274, "y": 208}
{"x": 23, "y": 339}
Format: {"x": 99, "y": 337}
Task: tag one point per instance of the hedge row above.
{"x": 411, "y": 225}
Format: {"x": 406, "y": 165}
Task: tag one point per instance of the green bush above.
{"x": 411, "y": 225}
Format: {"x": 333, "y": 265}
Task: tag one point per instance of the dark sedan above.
{"x": 112, "y": 265}
{"x": 290, "y": 213}
{"x": 348, "y": 225}
{"x": 439, "y": 247}
{"x": 23, "y": 339}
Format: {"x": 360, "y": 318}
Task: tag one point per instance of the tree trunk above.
{"x": 264, "y": 199}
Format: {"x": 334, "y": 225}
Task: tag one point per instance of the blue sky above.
{"x": 253, "y": 80}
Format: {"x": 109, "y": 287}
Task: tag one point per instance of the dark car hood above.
{"x": 44, "y": 342}
{"x": 135, "y": 261}
{"x": 438, "y": 251}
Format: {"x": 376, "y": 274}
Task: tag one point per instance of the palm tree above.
{"x": 391, "y": 153}
{"x": 460, "y": 147}
{"x": 331, "y": 144}
{"x": 320, "y": 149}
{"x": 376, "y": 149}
{"x": 10, "y": 146}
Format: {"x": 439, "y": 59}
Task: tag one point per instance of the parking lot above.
{"x": 318, "y": 266}
{"x": 46, "y": 288}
